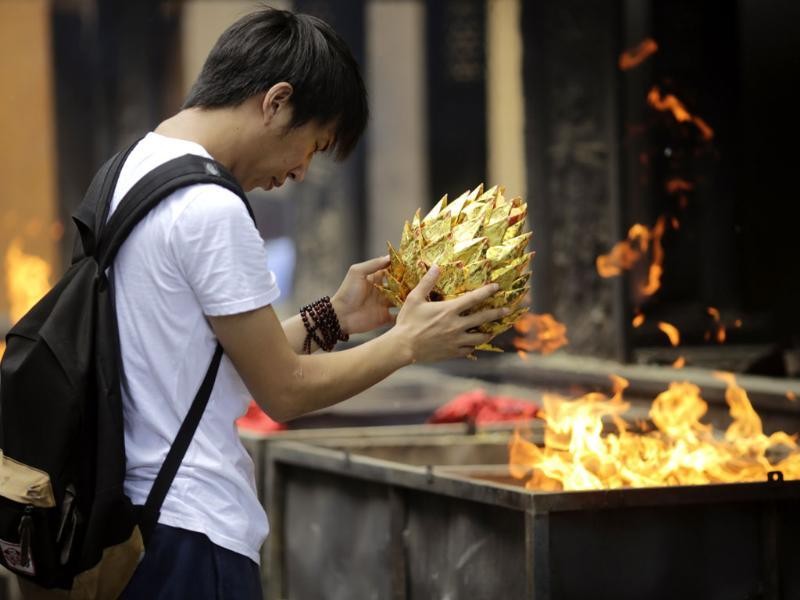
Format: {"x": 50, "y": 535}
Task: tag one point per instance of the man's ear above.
{"x": 275, "y": 100}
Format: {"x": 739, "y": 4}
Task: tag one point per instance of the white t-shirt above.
{"x": 197, "y": 253}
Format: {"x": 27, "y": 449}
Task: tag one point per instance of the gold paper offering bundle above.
{"x": 476, "y": 239}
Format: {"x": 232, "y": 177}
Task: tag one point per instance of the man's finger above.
{"x": 426, "y": 284}
{"x": 485, "y": 316}
{"x": 370, "y": 266}
{"x": 473, "y": 339}
{"x": 377, "y": 276}
{"x": 474, "y": 297}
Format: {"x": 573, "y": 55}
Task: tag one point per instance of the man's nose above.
{"x": 299, "y": 174}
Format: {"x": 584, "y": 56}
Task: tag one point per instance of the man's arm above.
{"x": 287, "y": 385}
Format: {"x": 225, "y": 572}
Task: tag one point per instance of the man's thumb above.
{"x": 427, "y": 283}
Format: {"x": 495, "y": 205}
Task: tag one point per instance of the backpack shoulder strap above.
{"x": 154, "y": 187}
{"x": 152, "y": 506}
{"x": 91, "y": 214}
{"x": 144, "y": 196}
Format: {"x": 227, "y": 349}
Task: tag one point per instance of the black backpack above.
{"x": 65, "y": 521}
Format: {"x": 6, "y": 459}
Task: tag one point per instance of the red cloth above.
{"x": 479, "y": 407}
{"x": 258, "y": 421}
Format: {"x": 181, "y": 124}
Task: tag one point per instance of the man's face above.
{"x": 290, "y": 153}
{"x": 274, "y": 151}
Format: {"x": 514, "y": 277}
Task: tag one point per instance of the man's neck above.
{"x": 216, "y": 130}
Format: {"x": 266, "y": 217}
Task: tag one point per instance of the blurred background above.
{"x": 651, "y": 140}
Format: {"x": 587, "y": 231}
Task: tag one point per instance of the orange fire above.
{"x": 671, "y": 332}
{"x": 679, "y": 363}
{"x": 679, "y": 449}
{"x": 721, "y": 334}
{"x": 672, "y": 104}
{"x": 677, "y": 185}
{"x": 635, "y": 56}
{"x": 791, "y": 396}
{"x": 638, "y": 320}
{"x": 627, "y": 253}
{"x": 680, "y": 186}
{"x": 540, "y": 333}
{"x": 656, "y": 265}
{"x": 27, "y": 279}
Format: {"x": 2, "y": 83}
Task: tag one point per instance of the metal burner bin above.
{"x": 348, "y": 525}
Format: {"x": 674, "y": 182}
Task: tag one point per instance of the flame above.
{"x": 791, "y": 396}
{"x": 522, "y": 354}
{"x": 2, "y": 349}
{"x": 676, "y": 224}
{"x": 27, "y": 279}
{"x": 656, "y": 265}
{"x": 677, "y": 184}
{"x": 672, "y": 104}
{"x": 671, "y": 331}
{"x": 638, "y": 320}
{"x": 542, "y": 333}
{"x": 721, "y": 334}
{"x": 679, "y": 363}
{"x": 677, "y": 449}
{"x": 625, "y": 254}
{"x": 635, "y": 56}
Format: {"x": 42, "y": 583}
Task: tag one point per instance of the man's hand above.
{"x": 432, "y": 331}
{"x": 358, "y": 304}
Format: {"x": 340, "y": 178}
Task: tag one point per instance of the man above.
{"x": 276, "y": 89}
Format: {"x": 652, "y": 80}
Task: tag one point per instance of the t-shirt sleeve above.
{"x": 220, "y": 252}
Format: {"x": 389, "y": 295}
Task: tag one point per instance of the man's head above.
{"x": 300, "y": 75}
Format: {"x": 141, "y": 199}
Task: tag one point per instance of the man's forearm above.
{"x": 296, "y": 332}
{"x": 322, "y": 380}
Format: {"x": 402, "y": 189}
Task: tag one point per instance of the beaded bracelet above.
{"x": 322, "y": 325}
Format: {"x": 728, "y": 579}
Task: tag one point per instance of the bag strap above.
{"x": 91, "y": 214}
{"x": 135, "y": 205}
{"x": 154, "y": 187}
{"x": 152, "y": 506}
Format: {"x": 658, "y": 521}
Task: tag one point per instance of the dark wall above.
{"x": 768, "y": 192}
{"x": 698, "y": 62}
{"x": 570, "y": 109}
{"x": 729, "y": 63}
{"x": 599, "y": 160}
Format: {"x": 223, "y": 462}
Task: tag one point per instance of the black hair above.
{"x": 271, "y": 45}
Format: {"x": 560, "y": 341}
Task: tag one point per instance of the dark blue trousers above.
{"x": 180, "y": 564}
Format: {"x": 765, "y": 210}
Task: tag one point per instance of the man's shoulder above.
{"x": 196, "y": 200}
{"x": 209, "y": 202}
